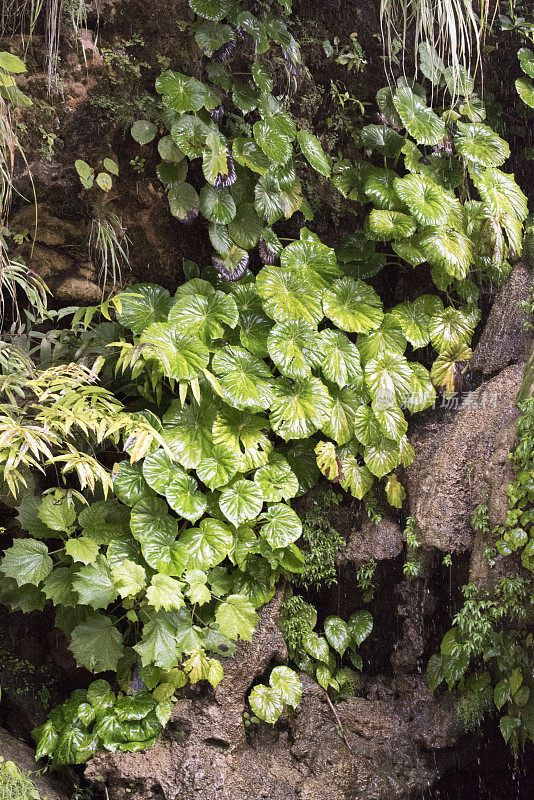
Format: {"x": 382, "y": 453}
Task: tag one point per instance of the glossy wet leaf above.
{"x": 242, "y": 501}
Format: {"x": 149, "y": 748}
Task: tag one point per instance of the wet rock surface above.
{"x": 47, "y": 784}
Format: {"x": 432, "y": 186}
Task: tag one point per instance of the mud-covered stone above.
{"x": 369, "y": 541}
{"x": 47, "y": 784}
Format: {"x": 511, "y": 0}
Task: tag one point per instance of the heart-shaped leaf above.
{"x": 241, "y": 501}
{"x": 360, "y": 626}
{"x": 287, "y": 296}
{"x": 184, "y": 497}
{"x": 299, "y": 408}
{"x": 207, "y": 545}
{"x": 294, "y": 347}
{"x": 337, "y": 634}
{"x": 353, "y": 306}
{"x": 275, "y": 144}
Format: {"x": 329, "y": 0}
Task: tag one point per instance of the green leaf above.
{"x": 449, "y": 327}
{"x": 158, "y": 643}
{"x": 458, "y": 80}
{"x": 210, "y": 36}
{"x": 242, "y": 501}
{"x": 172, "y": 175}
{"x": 236, "y": 617}
{"x": 429, "y": 204}
{"x": 105, "y": 521}
{"x": 268, "y": 199}
{"x": 337, "y": 634}
{"x": 219, "y": 468}
{"x": 266, "y": 703}
{"x": 46, "y": 737}
{"x": 213, "y": 10}
{"x": 96, "y": 644}
{"x": 276, "y": 480}
{"x": 384, "y": 139}
{"x": 128, "y": 578}
{"x": 159, "y": 470}
{"x": 56, "y": 513}
{"x": 156, "y": 531}
{"x": 275, "y": 144}
{"x": 434, "y": 673}
{"x": 430, "y": 63}
{"x": 216, "y": 160}
{"x": 246, "y": 227}
{"x": 243, "y": 434}
{"x": 57, "y": 587}
{"x": 420, "y": 121}
{"x": 190, "y": 134}
{"x": 353, "y": 306}
{"x": 207, "y": 545}
{"x": 391, "y": 420}
{"x": 448, "y": 249}
{"x": 508, "y": 726}
{"x": 379, "y": 187}
{"x": 198, "y": 592}
{"x": 316, "y": 646}
{"x": 422, "y": 394}
{"x": 245, "y": 97}
{"x": 312, "y": 261}
{"x": 287, "y": 683}
{"x": 526, "y": 61}
{"x": 395, "y": 492}
{"x": 294, "y": 347}
{"x": 340, "y": 425}
{"x": 28, "y": 517}
{"x": 142, "y": 305}
{"x": 247, "y": 153}
{"x": 357, "y": 478}
{"x": 287, "y": 296}
{"x": 382, "y": 456}
{"x": 169, "y": 151}
{"x": 525, "y": 90}
{"x": 165, "y": 592}
{"x": 184, "y": 497}
{"x": 143, "y": 131}
{"x": 181, "y": 357}
{"x": 389, "y": 378}
{"x": 385, "y": 224}
{"x": 27, "y": 561}
{"x": 340, "y": 358}
{"x": 281, "y": 526}
{"x": 94, "y": 585}
{"x": 11, "y": 63}
{"x": 82, "y": 549}
{"x": 217, "y": 205}
{"x": 180, "y": 92}
{"x": 414, "y": 319}
{"x": 187, "y": 430}
{"x": 448, "y": 367}
{"x": 314, "y": 153}
{"x": 500, "y": 192}
{"x": 480, "y": 144}
{"x": 388, "y": 337}
{"x": 360, "y": 626}
{"x": 183, "y": 201}
{"x": 129, "y": 484}
{"x": 299, "y": 408}
{"x": 242, "y": 378}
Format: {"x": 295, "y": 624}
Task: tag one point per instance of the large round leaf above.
{"x": 353, "y": 306}
{"x": 391, "y": 420}
{"x": 277, "y": 480}
{"x": 213, "y": 10}
{"x": 187, "y": 431}
{"x": 500, "y": 192}
{"x": 384, "y": 139}
{"x": 420, "y": 121}
{"x": 268, "y": 199}
{"x": 294, "y": 347}
{"x": 525, "y": 90}
{"x": 190, "y": 133}
{"x": 183, "y": 497}
{"x": 180, "y": 92}
{"x": 207, "y": 545}
{"x": 246, "y": 227}
{"x": 180, "y": 357}
{"x": 340, "y": 358}
{"x": 388, "y": 337}
{"x": 299, "y": 408}
{"x": 159, "y": 470}
{"x": 217, "y": 205}
{"x": 247, "y": 153}
{"x": 357, "y": 477}
{"x": 281, "y": 526}
{"x": 311, "y": 260}
{"x": 340, "y": 424}
{"x": 266, "y": 703}
{"x": 204, "y": 316}
{"x": 129, "y": 483}
{"x": 242, "y": 433}
{"x": 360, "y": 625}
{"x": 287, "y": 296}
{"x": 142, "y": 305}
{"x": 276, "y": 145}
{"x": 428, "y": 202}
{"x": 414, "y": 318}
{"x": 156, "y": 531}
{"x": 389, "y": 377}
{"x": 218, "y": 468}
{"x": 422, "y": 394}
{"x": 449, "y": 250}
{"x": 240, "y": 502}
{"x": 183, "y": 201}
{"x": 243, "y": 378}
{"x": 449, "y": 327}
{"x": 480, "y": 144}
{"x": 385, "y": 225}
{"x": 379, "y": 188}
{"x": 382, "y": 456}
{"x": 172, "y": 174}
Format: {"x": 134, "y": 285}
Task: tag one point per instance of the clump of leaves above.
{"x": 97, "y": 719}
{"x": 320, "y": 542}
{"x": 284, "y": 689}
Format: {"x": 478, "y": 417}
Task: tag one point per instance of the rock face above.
{"x": 381, "y": 542}
{"x": 504, "y": 339}
{"x": 386, "y": 749}
{"x": 12, "y": 749}
{"x": 460, "y": 462}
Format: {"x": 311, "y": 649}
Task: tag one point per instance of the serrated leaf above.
{"x": 243, "y": 434}
{"x": 287, "y": 296}
{"x": 414, "y": 323}
{"x": 311, "y": 260}
{"x": 280, "y": 525}
{"x": 207, "y": 545}
{"x": 266, "y": 703}
{"x": 82, "y": 549}
{"x": 56, "y": 513}
{"x": 165, "y": 592}
{"x": 340, "y": 425}
{"x": 294, "y": 347}
{"x": 242, "y": 501}
{"x": 142, "y": 305}
{"x": 158, "y": 643}
{"x": 96, "y": 644}
{"x": 480, "y": 144}
{"x": 353, "y": 306}
{"x": 385, "y": 224}
{"x": 312, "y": 150}
{"x": 420, "y": 122}
{"x": 184, "y": 497}
{"x": 94, "y": 584}
{"x": 299, "y": 408}
{"x": 128, "y": 578}
{"x": 159, "y": 470}
{"x": 268, "y": 199}
{"x": 27, "y": 561}
{"x": 382, "y": 456}
{"x": 236, "y": 617}
{"x": 391, "y": 420}
{"x": 422, "y": 394}
{"x": 180, "y": 357}
{"x": 276, "y": 480}
{"x": 448, "y": 249}
{"x": 449, "y": 365}
{"x": 156, "y": 531}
